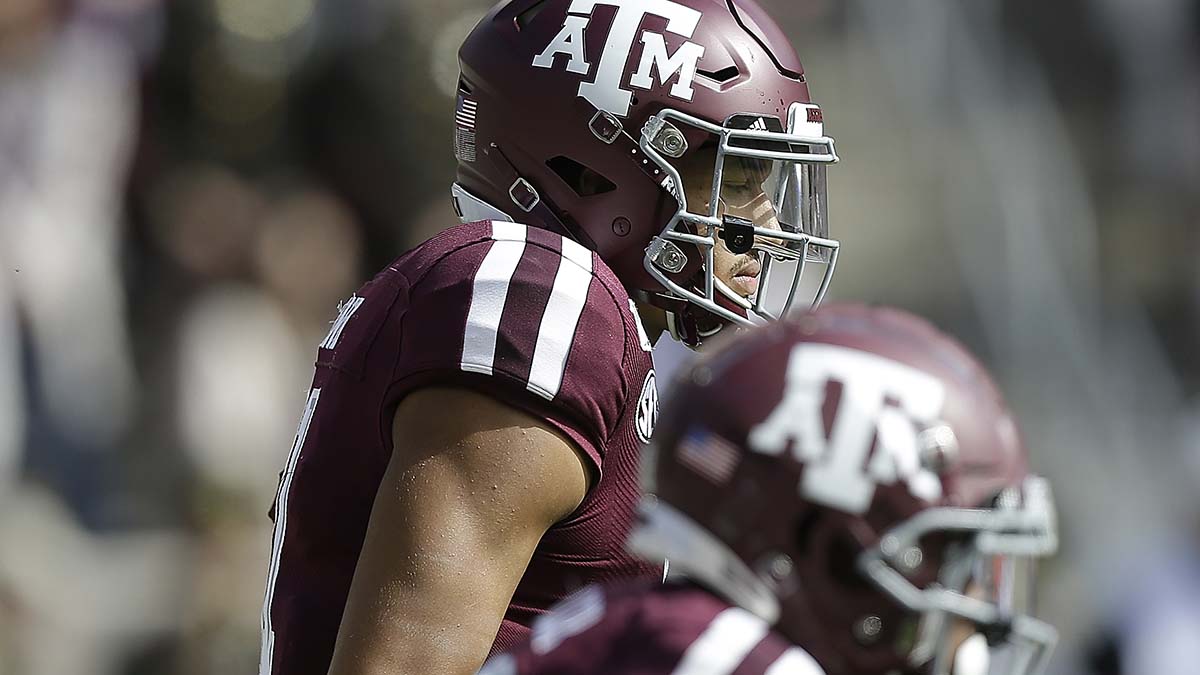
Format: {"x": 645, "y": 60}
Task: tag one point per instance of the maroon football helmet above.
{"x": 855, "y": 478}
{"x": 576, "y": 116}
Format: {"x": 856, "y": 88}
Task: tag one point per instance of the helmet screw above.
{"x": 911, "y": 558}
{"x": 621, "y": 226}
{"x": 781, "y": 567}
{"x": 702, "y": 376}
{"x": 665, "y": 137}
{"x": 938, "y": 448}
{"x": 673, "y": 260}
{"x": 867, "y": 629}
{"x": 890, "y": 545}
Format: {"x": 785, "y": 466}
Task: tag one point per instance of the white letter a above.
{"x": 568, "y": 41}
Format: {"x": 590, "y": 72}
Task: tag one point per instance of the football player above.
{"x": 469, "y": 451}
{"x": 846, "y": 494}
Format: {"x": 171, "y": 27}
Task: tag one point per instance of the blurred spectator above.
{"x": 245, "y": 346}
{"x": 68, "y": 390}
{"x": 1158, "y": 624}
{"x": 67, "y": 113}
{"x": 1151, "y": 621}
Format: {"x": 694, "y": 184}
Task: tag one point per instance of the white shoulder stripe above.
{"x": 795, "y": 661}
{"x": 557, "y": 330}
{"x": 505, "y": 231}
{"x": 722, "y": 646}
{"x": 346, "y": 311}
{"x": 643, "y": 338}
{"x": 488, "y": 294}
{"x": 577, "y": 253}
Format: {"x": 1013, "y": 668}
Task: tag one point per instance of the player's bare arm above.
{"x": 471, "y": 488}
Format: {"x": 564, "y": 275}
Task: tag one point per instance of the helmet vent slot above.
{"x": 583, "y": 181}
{"x": 525, "y": 18}
{"x": 737, "y": 16}
{"x": 842, "y": 560}
{"x": 720, "y": 76}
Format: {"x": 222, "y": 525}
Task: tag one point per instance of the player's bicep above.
{"x": 471, "y": 488}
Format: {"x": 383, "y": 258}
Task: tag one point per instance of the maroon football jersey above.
{"x": 535, "y": 320}
{"x": 644, "y": 629}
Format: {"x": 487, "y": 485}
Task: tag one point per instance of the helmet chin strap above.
{"x": 673, "y": 327}
{"x": 525, "y": 197}
{"x": 686, "y": 330}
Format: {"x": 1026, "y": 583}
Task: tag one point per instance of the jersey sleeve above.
{"x": 523, "y": 317}
{"x": 592, "y": 632}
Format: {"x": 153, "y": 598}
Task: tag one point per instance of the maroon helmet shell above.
{"x": 535, "y": 74}
{"x": 801, "y": 446}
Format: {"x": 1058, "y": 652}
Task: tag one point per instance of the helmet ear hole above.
{"x": 803, "y": 530}
{"x": 844, "y": 550}
{"x": 582, "y": 180}
{"x": 726, "y": 74}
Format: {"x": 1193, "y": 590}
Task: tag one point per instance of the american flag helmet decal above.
{"x": 465, "y": 111}
{"x": 708, "y": 454}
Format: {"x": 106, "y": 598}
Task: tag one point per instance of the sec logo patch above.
{"x": 647, "y": 410}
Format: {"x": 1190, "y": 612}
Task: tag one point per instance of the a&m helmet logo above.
{"x": 883, "y": 404}
{"x": 604, "y": 90}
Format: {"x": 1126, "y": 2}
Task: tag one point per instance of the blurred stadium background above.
{"x": 187, "y": 189}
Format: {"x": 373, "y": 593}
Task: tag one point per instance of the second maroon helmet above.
{"x": 855, "y": 478}
{"x": 575, "y": 116}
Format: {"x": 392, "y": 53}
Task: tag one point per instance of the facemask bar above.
{"x": 662, "y": 532}
{"x": 1027, "y": 529}
{"x": 775, "y": 246}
